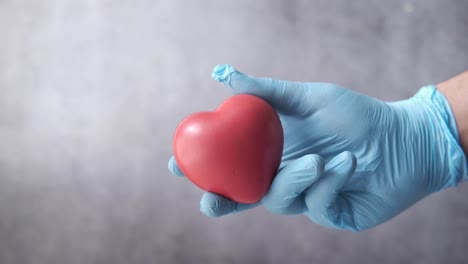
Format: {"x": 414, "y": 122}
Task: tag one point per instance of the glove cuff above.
{"x": 441, "y": 110}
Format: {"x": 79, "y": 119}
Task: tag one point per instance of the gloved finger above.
{"x": 284, "y": 195}
{"x": 214, "y": 205}
{"x": 321, "y": 198}
{"x": 284, "y": 96}
{"x": 173, "y": 167}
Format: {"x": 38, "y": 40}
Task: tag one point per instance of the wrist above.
{"x": 427, "y": 137}
{"x": 455, "y": 91}
{"x": 447, "y": 153}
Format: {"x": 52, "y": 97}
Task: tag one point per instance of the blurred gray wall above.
{"x": 91, "y": 92}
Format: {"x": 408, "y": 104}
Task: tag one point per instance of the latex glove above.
{"x": 405, "y": 151}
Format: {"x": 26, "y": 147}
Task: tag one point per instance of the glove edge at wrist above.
{"x": 458, "y": 165}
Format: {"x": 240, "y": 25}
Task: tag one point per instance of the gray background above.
{"x": 91, "y": 92}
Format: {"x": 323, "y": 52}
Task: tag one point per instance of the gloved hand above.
{"x": 404, "y": 150}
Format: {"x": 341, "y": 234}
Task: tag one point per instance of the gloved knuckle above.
{"x": 314, "y": 161}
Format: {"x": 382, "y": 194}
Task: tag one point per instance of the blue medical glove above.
{"x": 403, "y": 151}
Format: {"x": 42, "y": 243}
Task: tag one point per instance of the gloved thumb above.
{"x": 284, "y": 96}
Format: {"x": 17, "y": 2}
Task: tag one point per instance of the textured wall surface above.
{"x": 91, "y": 92}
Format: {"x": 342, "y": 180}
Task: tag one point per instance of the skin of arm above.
{"x": 456, "y": 92}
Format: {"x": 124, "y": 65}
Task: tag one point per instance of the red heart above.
{"x": 234, "y": 151}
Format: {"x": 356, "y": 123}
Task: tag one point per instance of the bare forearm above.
{"x": 456, "y": 92}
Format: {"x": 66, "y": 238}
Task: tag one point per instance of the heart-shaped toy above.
{"x": 234, "y": 151}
